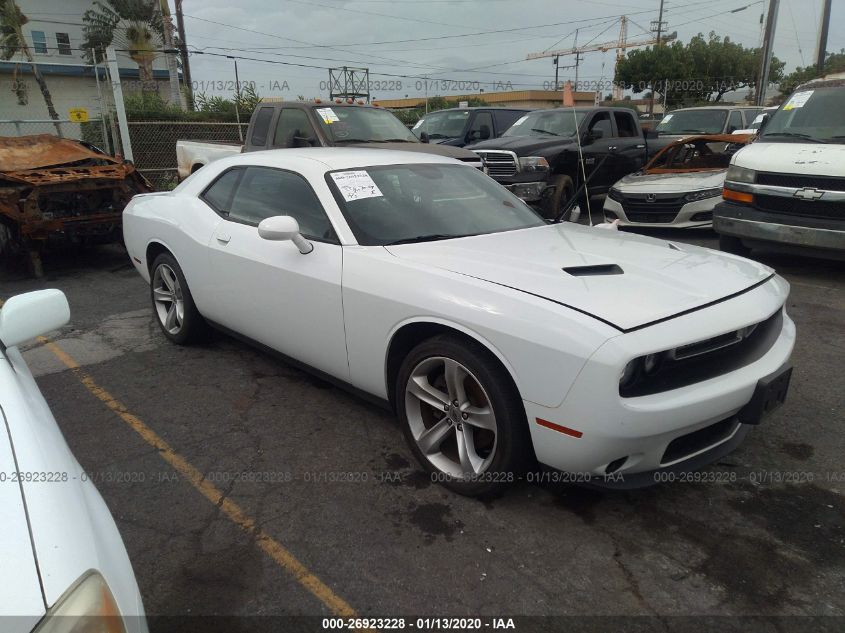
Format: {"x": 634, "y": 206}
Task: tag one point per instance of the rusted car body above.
{"x": 54, "y": 189}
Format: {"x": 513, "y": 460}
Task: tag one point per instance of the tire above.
{"x": 173, "y": 305}
{"x": 564, "y": 188}
{"x": 733, "y": 245}
{"x": 481, "y": 445}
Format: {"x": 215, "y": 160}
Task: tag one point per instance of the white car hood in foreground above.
{"x": 659, "y": 279}
{"x": 671, "y": 183}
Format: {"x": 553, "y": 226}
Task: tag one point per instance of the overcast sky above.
{"x": 365, "y": 33}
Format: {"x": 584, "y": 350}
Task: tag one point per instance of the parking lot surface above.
{"x": 308, "y": 501}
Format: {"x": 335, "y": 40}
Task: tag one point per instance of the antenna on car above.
{"x": 583, "y": 170}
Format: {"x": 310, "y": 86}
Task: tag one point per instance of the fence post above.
{"x": 118, "y": 103}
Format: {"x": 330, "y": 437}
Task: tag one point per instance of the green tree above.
{"x": 12, "y": 42}
{"x": 702, "y": 70}
{"x": 833, "y": 63}
{"x": 133, "y": 25}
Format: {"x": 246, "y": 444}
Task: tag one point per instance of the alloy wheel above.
{"x": 167, "y": 299}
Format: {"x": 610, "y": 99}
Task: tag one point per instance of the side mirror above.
{"x": 484, "y": 132}
{"x": 284, "y": 228}
{"x": 32, "y": 314}
{"x": 424, "y": 137}
{"x": 595, "y": 134}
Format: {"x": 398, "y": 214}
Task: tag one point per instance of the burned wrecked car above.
{"x": 60, "y": 190}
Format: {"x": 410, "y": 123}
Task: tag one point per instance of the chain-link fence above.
{"x": 16, "y": 127}
{"x": 154, "y": 145}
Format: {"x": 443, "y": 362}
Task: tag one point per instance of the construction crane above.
{"x": 621, "y": 45}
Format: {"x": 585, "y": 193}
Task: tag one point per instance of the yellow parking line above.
{"x": 233, "y": 511}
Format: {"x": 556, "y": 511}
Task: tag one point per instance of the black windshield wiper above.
{"x": 437, "y": 135}
{"x": 432, "y": 237}
{"x": 398, "y": 140}
{"x": 805, "y": 137}
{"x": 355, "y": 140}
{"x": 536, "y": 129}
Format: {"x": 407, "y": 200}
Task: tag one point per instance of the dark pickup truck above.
{"x": 460, "y": 126}
{"x": 539, "y": 159}
{"x": 316, "y": 124}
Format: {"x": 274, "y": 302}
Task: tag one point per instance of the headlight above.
{"x": 702, "y": 195}
{"x": 740, "y": 174}
{"x": 533, "y": 163}
{"x": 630, "y": 373}
{"x": 87, "y": 607}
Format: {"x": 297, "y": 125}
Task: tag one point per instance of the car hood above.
{"x": 18, "y": 571}
{"x": 658, "y": 279}
{"x": 792, "y": 158}
{"x": 424, "y": 148}
{"x": 671, "y": 183}
{"x": 524, "y": 145}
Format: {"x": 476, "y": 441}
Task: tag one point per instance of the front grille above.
{"x": 702, "y": 360}
{"x": 498, "y": 162}
{"x": 696, "y": 441}
{"x": 825, "y": 209}
{"x": 662, "y": 209}
{"x": 794, "y": 181}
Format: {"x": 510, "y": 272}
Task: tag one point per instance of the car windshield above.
{"x": 448, "y": 124}
{"x": 693, "y": 122}
{"x": 351, "y": 124}
{"x": 815, "y": 115}
{"x": 424, "y": 202}
{"x": 561, "y": 122}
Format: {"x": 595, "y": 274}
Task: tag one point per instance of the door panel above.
{"x": 274, "y": 294}
{"x": 595, "y": 151}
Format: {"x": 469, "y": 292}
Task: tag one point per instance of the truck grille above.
{"x": 662, "y": 209}
{"x": 823, "y": 209}
{"x": 828, "y": 183}
{"x": 499, "y": 162}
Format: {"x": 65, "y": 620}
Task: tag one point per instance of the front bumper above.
{"x": 631, "y": 436}
{"x": 748, "y": 223}
{"x": 696, "y": 214}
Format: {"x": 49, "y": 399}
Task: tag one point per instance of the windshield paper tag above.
{"x": 327, "y": 114}
{"x": 356, "y": 185}
{"x": 798, "y": 99}
{"x": 520, "y": 120}
{"x": 417, "y": 124}
{"x": 667, "y": 118}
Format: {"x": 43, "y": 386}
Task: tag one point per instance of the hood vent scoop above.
{"x": 594, "y": 271}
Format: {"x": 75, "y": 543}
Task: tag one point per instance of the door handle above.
{"x": 612, "y": 148}
{"x": 223, "y": 238}
{"x": 640, "y": 147}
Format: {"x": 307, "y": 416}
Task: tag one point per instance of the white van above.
{"x": 789, "y": 185}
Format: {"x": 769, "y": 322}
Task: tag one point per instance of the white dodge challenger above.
{"x": 497, "y": 338}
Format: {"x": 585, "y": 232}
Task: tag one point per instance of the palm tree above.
{"x": 133, "y": 25}
{"x": 12, "y": 41}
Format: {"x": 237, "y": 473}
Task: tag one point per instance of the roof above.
{"x": 726, "y": 106}
{"x": 492, "y": 97}
{"x": 497, "y": 108}
{"x": 334, "y": 157}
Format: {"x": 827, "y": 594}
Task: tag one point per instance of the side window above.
{"x": 261, "y": 126}
{"x": 625, "y": 124}
{"x": 293, "y": 126}
{"x": 63, "y": 41}
{"x": 219, "y": 193}
{"x": 750, "y": 115}
{"x": 505, "y": 119}
{"x": 734, "y": 121}
{"x": 482, "y": 127}
{"x": 601, "y": 122}
{"x": 39, "y": 42}
{"x": 264, "y": 192}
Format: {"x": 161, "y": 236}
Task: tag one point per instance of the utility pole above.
{"x": 183, "y": 54}
{"x": 659, "y": 23}
{"x": 172, "y": 70}
{"x": 556, "y": 61}
{"x": 824, "y": 27}
{"x": 768, "y": 45}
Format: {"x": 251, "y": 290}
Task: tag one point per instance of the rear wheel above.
{"x": 173, "y": 305}
{"x": 461, "y": 416}
{"x": 733, "y": 245}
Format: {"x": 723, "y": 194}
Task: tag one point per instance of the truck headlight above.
{"x": 740, "y": 174}
{"x": 533, "y": 163}
{"x": 703, "y": 195}
{"x": 87, "y": 607}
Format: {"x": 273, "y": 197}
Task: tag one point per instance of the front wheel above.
{"x": 554, "y": 204}
{"x": 173, "y": 305}
{"x": 462, "y": 416}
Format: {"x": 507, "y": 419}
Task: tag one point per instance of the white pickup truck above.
{"x": 788, "y": 187}
{"x": 316, "y": 124}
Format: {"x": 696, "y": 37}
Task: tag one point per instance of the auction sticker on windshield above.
{"x": 798, "y": 99}
{"x": 356, "y": 185}
{"x": 328, "y": 115}
{"x": 520, "y": 120}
